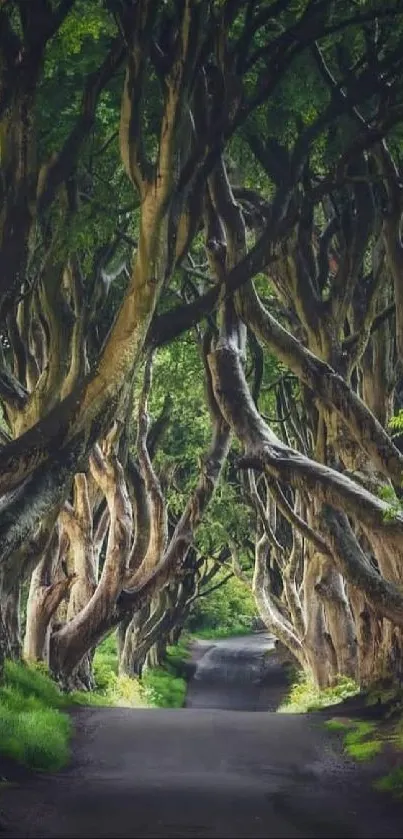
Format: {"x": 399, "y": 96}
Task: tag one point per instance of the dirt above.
{"x": 203, "y": 772}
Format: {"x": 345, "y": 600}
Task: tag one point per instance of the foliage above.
{"x": 163, "y": 689}
{"x": 306, "y": 696}
{"x": 33, "y": 681}
{"x": 358, "y": 745}
{"x": 177, "y": 654}
{"x": 387, "y": 493}
{"x": 358, "y": 741}
{"x": 112, "y": 688}
{"x": 229, "y": 610}
{"x": 224, "y": 632}
{"x": 160, "y": 687}
{"x": 396, "y": 422}
{"x": 105, "y": 664}
{"x": 392, "y": 782}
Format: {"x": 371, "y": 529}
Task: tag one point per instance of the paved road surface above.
{"x": 238, "y": 674}
{"x": 201, "y": 773}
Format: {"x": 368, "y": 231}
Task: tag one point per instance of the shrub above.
{"x": 306, "y": 696}
{"x": 105, "y": 663}
{"x": 163, "y": 689}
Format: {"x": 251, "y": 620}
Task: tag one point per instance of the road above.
{"x": 237, "y": 674}
{"x": 202, "y": 772}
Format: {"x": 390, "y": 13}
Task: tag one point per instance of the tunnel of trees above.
{"x": 201, "y": 296}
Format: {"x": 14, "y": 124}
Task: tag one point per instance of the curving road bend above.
{"x": 209, "y": 770}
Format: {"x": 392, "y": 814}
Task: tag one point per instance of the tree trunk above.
{"x": 339, "y": 619}
{"x": 10, "y": 640}
{"x": 322, "y": 663}
{"x": 48, "y": 587}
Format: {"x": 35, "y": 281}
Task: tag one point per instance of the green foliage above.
{"x": 337, "y": 725}
{"x": 105, "y": 665}
{"x": 163, "y": 689}
{"x": 33, "y": 681}
{"x": 387, "y": 493}
{"x": 229, "y": 610}
{"x": 177, "y": 654}
{"x": 364, "y": 751}
{"x": 358, "y": 741}
{"x": 112, "y": 688}
{"x": 85, "y": 698}
{"x": 224, "y": 632}
{"x": 392, "y": 782}
{"x": 396, "y": 422}
{"x": 33, "y": 729}
{"x": 306, "y": 696}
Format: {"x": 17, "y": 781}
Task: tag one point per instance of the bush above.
{"x": 162, "y": 689}
{"x": 306, "y": 696}
{"x": 112, "y": 689}
{"x": 105, "y": 664}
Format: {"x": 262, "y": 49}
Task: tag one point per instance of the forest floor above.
{"x": 207, "y": 771}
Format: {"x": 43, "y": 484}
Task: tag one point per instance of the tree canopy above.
{"x": 201, "y": 322}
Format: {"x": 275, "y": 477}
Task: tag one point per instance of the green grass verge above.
{"x": 34, "y": 730}
{"x": 359, "y": 741}
{"x": 392, "y": 782}
{"x": 224, "y": 632}
{"x": 164, "y": 689}
{"x": 306, "y": 696}
{"x": 161, "y": 687}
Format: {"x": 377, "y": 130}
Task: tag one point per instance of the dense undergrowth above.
{"x": 160, "y": 687}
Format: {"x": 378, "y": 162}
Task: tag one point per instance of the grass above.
{"x": 392, "y": 782}
{"x": 112, "y": 688}
{"x": 359, "y": 741}
{"x": 220, "y": 632}
{"x": 306, "y": 696}
{"x": 164, "y": 689}
{"x": 34, "y": 730}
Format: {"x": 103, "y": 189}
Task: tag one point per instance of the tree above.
{"x": 205, "y": 83}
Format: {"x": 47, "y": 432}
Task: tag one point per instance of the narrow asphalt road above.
{"x": 202, "y": 772}
{"x": 237, "y": 674}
